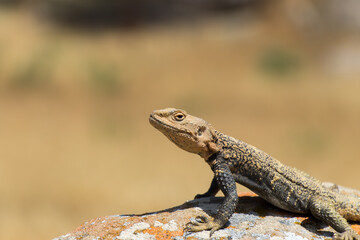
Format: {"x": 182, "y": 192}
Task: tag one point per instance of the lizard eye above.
{"x": 179, "y": 116}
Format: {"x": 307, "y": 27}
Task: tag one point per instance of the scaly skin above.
{"x": 234, "y": 161}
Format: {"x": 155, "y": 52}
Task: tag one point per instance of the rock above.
{"x": 254, "y": 219}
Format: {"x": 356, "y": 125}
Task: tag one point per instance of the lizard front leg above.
{"x": 227, "y": 185}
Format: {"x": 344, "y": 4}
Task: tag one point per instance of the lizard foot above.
{"x": 347, "y": 235}
{"x": 202, "y": 223}
{"x": 198, "y": 196}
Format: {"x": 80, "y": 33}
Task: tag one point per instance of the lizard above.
{"x": 234, "y": 161}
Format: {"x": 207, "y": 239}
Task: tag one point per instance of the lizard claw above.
{"x": 195, "y": 222}
{"x": 202, "y": 223}
{"x": 202, "y": 219}
{"x": 347, "y": 235}
{"x": 212, "y": 231}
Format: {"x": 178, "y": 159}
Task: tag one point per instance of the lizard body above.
{"x": 234, "y": 161}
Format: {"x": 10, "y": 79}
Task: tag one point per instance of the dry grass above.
{"x": 76, "y": 143}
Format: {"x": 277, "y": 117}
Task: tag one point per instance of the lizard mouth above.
{"x": 161, "y": 125}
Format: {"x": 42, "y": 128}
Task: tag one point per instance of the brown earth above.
{"x": 75, "y": 139}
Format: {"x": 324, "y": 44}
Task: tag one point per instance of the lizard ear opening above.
{"x": 211, "y": 145}
{"x": 200, "y": 131}
{"x": 212, "y": 132}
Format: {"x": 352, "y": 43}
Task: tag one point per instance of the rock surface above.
{"x": 254, "y": 219}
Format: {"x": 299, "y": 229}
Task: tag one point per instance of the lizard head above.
{"x": 188, "y": 132}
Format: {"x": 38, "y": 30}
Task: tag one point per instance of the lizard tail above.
{"x": 349, "y": 207}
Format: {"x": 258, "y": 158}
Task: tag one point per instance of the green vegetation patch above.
{"x": 36, "y": 72}
{"x": 105, "y": 79}
{"x": 279, "y": 62}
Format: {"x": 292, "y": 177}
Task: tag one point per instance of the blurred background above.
{"x": 78, "y": 80}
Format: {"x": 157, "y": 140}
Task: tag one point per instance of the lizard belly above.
{"x": 283, "y": 198}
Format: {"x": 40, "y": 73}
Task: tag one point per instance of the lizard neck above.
{"x": 211, "y": 160}
{"x": 213, "y": 147}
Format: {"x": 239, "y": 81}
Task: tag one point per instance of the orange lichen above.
{"x": 103, "y": 227}
{"x": 161, "y": 234}
{"x": 302, "y": 218}
{"x": 356, "y": 227}
{"x": 247, "y": 194}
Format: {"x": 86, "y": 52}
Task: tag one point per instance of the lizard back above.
{"x": 283, "y": 186}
